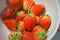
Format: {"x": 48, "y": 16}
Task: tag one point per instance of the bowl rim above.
{"x": 57, "y": 23}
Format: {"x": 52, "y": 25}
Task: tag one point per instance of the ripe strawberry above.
{"x": 29, "y": 22}
{"x": 20, "y": 15}
{"x": 45, "y": 22}
{"x": 38, "y": 33}
{"x": 27, "y": 4}
{"x": 20, "y": 26}
{"x": 37, "y": 9}
{"x": 8, "y": 13}
{"x": 11, "y": 24}
{"x": 27, "y": 36}
{"x": 15, "y": 4}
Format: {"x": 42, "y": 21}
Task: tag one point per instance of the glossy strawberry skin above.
{"x": 27, "y": 36}
{"x": 29, "y": 22}
{"x": 45, "y": 22}
{"x": 10, "y": 24}
{"x": 8, "y": 13}
{"x": 15, "y": 4}
{"x": 34, "y": 31}
{"x": 37, "y": 9}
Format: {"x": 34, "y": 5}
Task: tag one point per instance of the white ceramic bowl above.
{"x": 51, "y": 8}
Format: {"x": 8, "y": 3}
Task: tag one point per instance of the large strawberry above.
{"x": 27, "y": 36}
{"x": 20, "y": 15}
{"x": 45, "y": 22}
{"x": 11, "y": 24}
{"x": 27, "y": 4}
{"x": 15, "y": 4}
{"x": 37, "y": 9}
{"x": 8, "y": 13}
{"x": 29, "y": 22}
{"x": 38, "y": 33}
{"x": 20, "y": 26}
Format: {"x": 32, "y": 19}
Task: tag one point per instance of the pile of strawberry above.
{"x": 27, "y": 17}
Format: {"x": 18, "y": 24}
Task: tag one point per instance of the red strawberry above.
{"x": 45, "y": 22}
{"x": 8, "y": 13}
{"x": 27, "y": 36}
{"x": 11, "y": 24}
{"x": 15, "y": 4}
{"x": 37, "y": 9}
{"x": 27, "y": 4}
{"x": 20, "y": 26}
{"x": 29, "y": 22}
{"x": 38, "y": 33}
{"x": 20, "y": 15}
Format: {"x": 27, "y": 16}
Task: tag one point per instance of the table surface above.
{"x": 57, "y": 35}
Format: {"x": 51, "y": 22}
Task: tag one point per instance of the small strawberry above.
{"x": 37, "y": 9}
{"x": 45, "y": 22}
{"x": 11, "y": 24}
{"x": 38, "y": 33}
{"x": 20, "y": 26}
{"x": 20, "y": 15}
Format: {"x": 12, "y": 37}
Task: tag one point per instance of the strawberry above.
{"x": 29, "y": 22}
{"x": 11, "y": 24}
{"x": 38, "y": 33}
{"x": 27, "y": 36}
{"x": 45, "y": 22}
{"x": 14, "y": 35}
{"x": 27, "y": 4}
{"x": 20, "y": 26}
{"x": 20, "y": 15}
{"x": 8, "y": 13}
{"x": 37, "y": 9}
{"x": 15, "y": 4}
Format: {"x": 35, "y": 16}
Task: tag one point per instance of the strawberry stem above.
{"x": 18, "y": 26}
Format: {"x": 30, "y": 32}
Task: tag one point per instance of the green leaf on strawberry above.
{"x": 16, "y": 36}
{"x": 41, "y": 34}
{"x": 16, "y": 11}
{"x": 30, "y": 13}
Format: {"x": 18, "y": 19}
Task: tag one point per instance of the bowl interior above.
{"x": 51, "y": 9}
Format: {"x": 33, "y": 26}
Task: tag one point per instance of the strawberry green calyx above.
{"x": 16, "y": 36}
{"x": 30, "y": 14}
{"x": 44, "y": 14}
{"x": 41, "y": 34}
{"x": 16, "y": 12}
